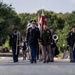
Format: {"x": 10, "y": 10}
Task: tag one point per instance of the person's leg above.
{"x": 41, "y": 56}
{"x": 14, "y": 54}
{"x": 24, "y": 54}
{"x": 17, "y": 53}
{"x": 71, "y": 54}
{"x": 35, "y": 52}
{"x": 50, "y": 54}
{"x": 74, "y": 55}
{"x": 44, "y": 51}
{"x": 28, "y": 53}
{"x": 32, "y": 53}
{"x": 53, "y": 49}
{"x": 47, "y": 54}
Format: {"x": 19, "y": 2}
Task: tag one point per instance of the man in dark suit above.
{"x": 33, "y": 35}
{"x": 71, "y": 44}
{"x": 14, "y": 43}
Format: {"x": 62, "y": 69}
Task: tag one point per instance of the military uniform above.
{"x": 71, "y": 43}
{"x": 33, "y": 34}
{"x": 14, "y": 43}
{"x": 46, "y": 39}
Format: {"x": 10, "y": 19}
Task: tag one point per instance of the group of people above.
{"x": 36, "y": 39}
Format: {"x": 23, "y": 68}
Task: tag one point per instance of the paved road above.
{"x": 59, "y": 67}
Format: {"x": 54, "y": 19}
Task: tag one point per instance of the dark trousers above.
{"x": 33, "y": 52}
{"x": 72, "y": 53}
{"x": 15, "y": 54}
{"x": 38, "y": 52}
{"x": 48, "y": 53}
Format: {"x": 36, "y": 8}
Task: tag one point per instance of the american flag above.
{"x": 42, "y": 19}
{"x": 29, "y": 24}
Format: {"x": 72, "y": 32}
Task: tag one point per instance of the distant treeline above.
{"x": 59, "y": 22}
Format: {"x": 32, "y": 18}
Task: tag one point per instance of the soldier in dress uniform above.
{"x": 71, "y": 44}
{"x": 33, "y": 35}
{"x": 46, "y": 40}
{"x": 14, "y": 41}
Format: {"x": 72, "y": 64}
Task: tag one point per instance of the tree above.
{"x": 8, "y": 20}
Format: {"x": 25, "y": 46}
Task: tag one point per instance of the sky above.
{"x": 32, "y": 6}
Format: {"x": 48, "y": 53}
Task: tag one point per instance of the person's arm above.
{"x": 10, "y": 40}
{"x": 68, "y": 38}
{"x": 27, "y": 36}
{"x": 50, "y": 35}
{"x": 39, "y": 35}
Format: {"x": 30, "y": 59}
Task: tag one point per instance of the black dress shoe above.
{"x": 44, "y": 62}
{"x": 72, "y": 61}
{"x": 35, "y": 61}
{"x": 15, "y": 61}
{"x": 31, "y": 61}
{"x": 52, "y": 61}
{"x": 48, "y": 61}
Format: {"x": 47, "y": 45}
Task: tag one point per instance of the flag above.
{"x": 29, "y": 24}
{"x": 42, "y": 19}
{"x": 39, "y": 21}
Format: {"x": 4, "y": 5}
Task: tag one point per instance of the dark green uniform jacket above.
{"x": 46, "y": 37}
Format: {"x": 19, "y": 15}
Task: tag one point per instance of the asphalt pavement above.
{"x": 24, "y": 67}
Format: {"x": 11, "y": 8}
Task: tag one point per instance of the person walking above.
{"x": 33, "y": 36}
{"x": 14, "y": 44}
{"x": 46, "y": 39}
{"x": 71, "y": 44}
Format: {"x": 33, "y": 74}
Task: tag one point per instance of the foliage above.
{"x": 8, "y": 20}
{"x": 6, "y": 44}
{"x": 59, "y": 22}
{"x": 62, "y": 37}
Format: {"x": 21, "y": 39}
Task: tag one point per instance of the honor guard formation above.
{"x": 40, "y": 43}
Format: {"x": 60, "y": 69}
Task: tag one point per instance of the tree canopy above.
{"x": 59, "y": 22}
{"x": 8, "y": 19}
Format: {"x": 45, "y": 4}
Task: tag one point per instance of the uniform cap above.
{"x": 32, "y": 21}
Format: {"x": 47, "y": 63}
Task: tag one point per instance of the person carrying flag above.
{"x": 46, "y": 41}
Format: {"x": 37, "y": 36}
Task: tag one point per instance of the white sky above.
{"x": 32, "y": 6}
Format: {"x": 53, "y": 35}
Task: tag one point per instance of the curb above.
{"x": 6, "y": 54}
